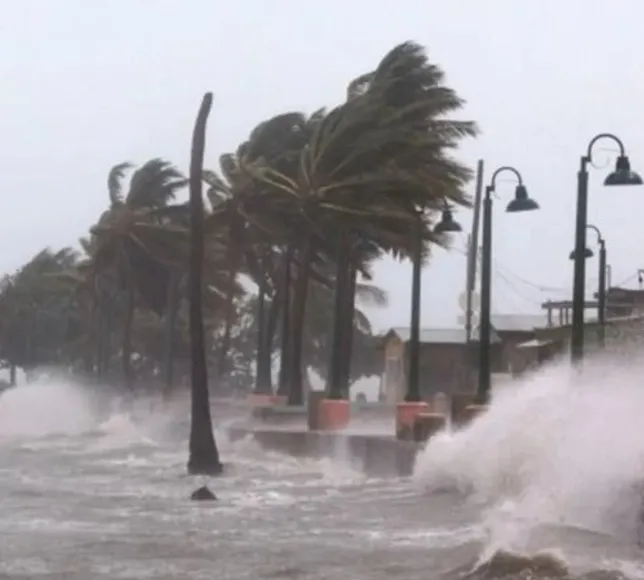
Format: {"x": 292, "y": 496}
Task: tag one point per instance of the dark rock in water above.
{"x": 203, "y": 494}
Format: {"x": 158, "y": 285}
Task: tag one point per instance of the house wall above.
{"x": 444, "y": 368}
{"x": 621, "y": 334}
{"x": 393, "y": 379}
{"x": 509, "y": 342}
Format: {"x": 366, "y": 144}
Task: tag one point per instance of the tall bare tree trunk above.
{"x": 338, "y": 342}
{"x": 229, "y": 313}
{"x": 263, "y": 382}
{"x": 204, "y": 455}
{"x": 172, "y": 308}
{"x": 286, "y": 348}
{"x": 347, "y": 347}
{"x": 97, "y": 320}
{"x": 127, "y": 336}
{"x": 300, "y": 294}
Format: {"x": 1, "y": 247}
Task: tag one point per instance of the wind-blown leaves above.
{"x": 114, "y": 182}
{"x": 334, "y": 189}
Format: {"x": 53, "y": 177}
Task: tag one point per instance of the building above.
{"x": 515, "y": 330}
{"x": 448, "y": 365}
{"x": 446, "y": 361}
{"x": 621, "y": 302}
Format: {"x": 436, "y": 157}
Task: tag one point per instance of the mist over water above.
{"x": 549, "y": 479}
{"x": 46, "y": 408}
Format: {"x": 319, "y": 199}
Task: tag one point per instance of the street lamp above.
{"x": 521, "y": 202}
{"x": 601, "y": 291}
{"x": 622, "y": 175}
{"x": 446, "y": 225}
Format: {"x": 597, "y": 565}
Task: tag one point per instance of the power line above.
{"x": 515, "y": 290}
{"x": 540, "y": 287}
{"x": 626, "y": 280}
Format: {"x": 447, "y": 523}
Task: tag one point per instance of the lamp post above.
{"x": 521, "y": 202}
{"x": 601, "y": 290}
{"x": 446, "y": 225}
{"x": 622, "y": 175}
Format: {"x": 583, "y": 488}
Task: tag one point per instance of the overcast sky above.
{"x": 85, "y": 85}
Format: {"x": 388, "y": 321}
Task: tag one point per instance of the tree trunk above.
{"x": 29, "y": 342}
{"x": 204, "y": 455}
{"x": 347, "y": 340}
{"x": 338, "y": 343}
{"x": 263, "y": 360}
{"x": 229, "y": 313}
{"x": 284, "y": 381}
{"x": 97, "y": 323}
{"x": 127, "y": 336}
{"x": 300, "y": 294}
{"x": 172, "y": 307}
{"x": 307, "y": 387}
{"x": 107, "y": 312}
{"x": 274, "y": 311}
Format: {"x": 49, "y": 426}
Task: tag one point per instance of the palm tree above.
{"x": 364, "y": 169}
{"x": 204, "y": 455}
{"x": 238, "y": 218}
{"x": 38, "y": 315}
{"x": 135, "y": 247}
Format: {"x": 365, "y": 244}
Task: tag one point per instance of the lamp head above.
{"x": 623, "y": 174}
{"x": 447, "y": 223}
{"x": 521, "y": 201}
{"x": 588, "y": 253}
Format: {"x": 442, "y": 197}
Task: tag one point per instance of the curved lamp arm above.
{"x": 600, "y": 239}
{"x": 614, "y": 138}
{"x": 505, "y": 168}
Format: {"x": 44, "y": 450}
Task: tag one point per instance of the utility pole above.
{"x": 472, "y": 251}
{"x": 472, "y": 261}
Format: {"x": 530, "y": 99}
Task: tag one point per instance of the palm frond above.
{"x": 371, "y": 295}
{"x": 114, "y": 182}
{"x": 154, "y": 185}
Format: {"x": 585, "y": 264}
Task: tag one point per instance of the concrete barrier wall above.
{"x": 376, "y": 456}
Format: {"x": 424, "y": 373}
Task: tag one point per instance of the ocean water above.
{"x": 547, "y": 484}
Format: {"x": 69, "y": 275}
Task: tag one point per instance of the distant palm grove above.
{"x": 294, "y": 219}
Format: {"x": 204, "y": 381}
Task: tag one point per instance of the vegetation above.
{"x": 300, "y": 211}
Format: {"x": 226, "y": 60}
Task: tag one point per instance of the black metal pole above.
{"x": 484, "y": 383}
{"x": 413, "y": 388}
{"x": 579, "y": 281}
{"x": 601, "y": 294}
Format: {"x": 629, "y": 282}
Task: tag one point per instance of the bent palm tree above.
{"x": 134, "y": 246}
{"x": 204, "y": 455}
{"x": 365, "y": 170}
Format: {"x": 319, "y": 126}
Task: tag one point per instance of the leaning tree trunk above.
{"x": 127, "y": 336}
{"x": 347, "y": 340}
{"x": 263, "y": 360}
{"x": 300, "y": 294}
{"x": 97, "y": 319}
{"x": 204, "y": 455}
{"x": 108, "y": 323}
{"x": 273, "y": 316}
{"x": 229, "y": 312}
{"x": 336, "y": 365}
{"x": 172, "y": 308}
{"x": 286, "y": 349}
